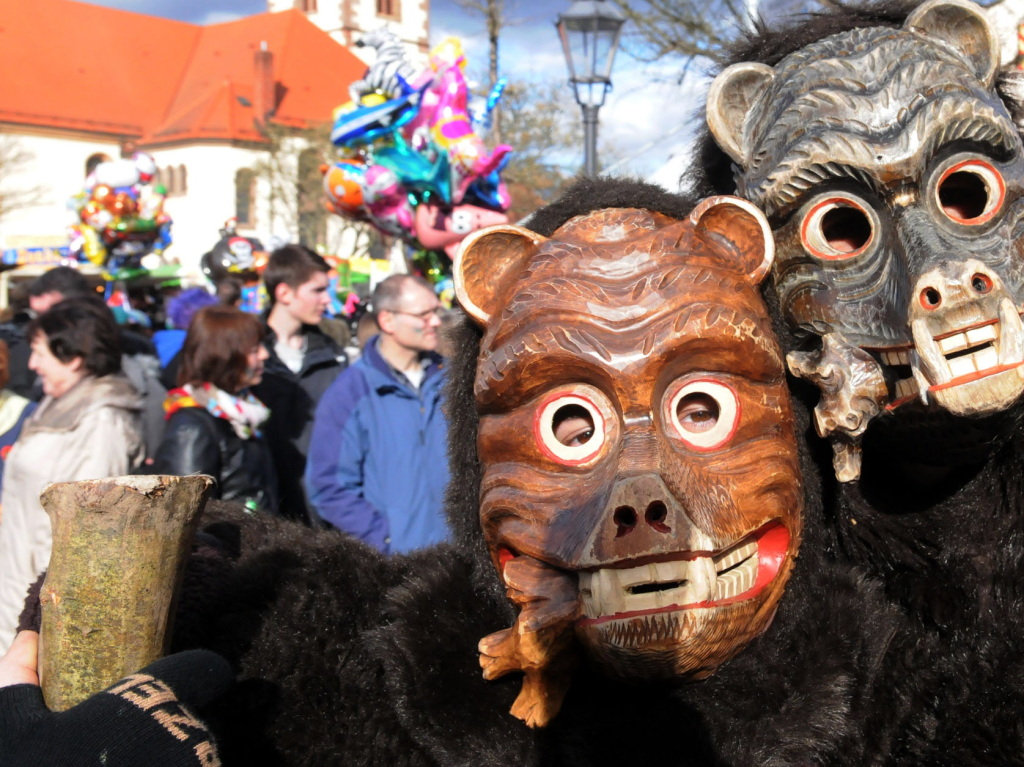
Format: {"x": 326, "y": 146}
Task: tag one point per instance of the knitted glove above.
{"x": 141, "y": 720}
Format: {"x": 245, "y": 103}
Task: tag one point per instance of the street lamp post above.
{"x": 589, "y": 32}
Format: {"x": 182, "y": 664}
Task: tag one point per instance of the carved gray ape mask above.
{"x": 892, "y": 175}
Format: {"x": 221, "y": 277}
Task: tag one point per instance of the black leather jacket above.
{"x": 198, "y": 442}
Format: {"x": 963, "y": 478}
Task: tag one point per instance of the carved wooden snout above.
{"x": 642, "y": 516}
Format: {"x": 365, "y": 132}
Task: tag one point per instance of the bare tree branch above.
{"x": 688, "y": 29}
{"x": 495, "y": 20}
{"x": 543, "y": 127}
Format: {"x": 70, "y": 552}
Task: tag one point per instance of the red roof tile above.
{"x": 85, "y": 67}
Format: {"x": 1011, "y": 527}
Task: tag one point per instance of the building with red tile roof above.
{"x": 81, "y": 80}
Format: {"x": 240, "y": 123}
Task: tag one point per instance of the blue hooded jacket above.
{"x": 377, "y": 466}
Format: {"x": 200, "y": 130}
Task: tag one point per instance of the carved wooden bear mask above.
{"x": 635, "y": 432}
{"x": 893, "y": 177}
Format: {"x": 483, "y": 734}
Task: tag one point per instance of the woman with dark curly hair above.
{"x": 88, "y": 425}
{"x": 213, "y": 421}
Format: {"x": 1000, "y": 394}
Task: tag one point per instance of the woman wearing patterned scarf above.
{"x": 213, "y": 421}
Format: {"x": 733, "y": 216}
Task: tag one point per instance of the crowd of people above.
{"x": 285, "y": 419}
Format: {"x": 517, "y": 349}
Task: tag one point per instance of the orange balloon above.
{"x": 122, "y": 204}
{"x": 343, "y": 185}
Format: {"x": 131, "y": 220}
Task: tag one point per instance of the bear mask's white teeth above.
{"x": 610, "y": 591}
{"x": 736, "y": 571}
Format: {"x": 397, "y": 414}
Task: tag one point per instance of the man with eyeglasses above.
{"x": 377, "y": 466}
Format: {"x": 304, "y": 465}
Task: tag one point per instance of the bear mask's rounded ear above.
{"x": 486, "y": 265}
{"x": 963, "y": 26}
{"x": 731, "y": 97}
{"x": 740, "y": 230}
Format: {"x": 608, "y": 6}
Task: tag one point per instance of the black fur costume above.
{"x": 898, "y": 640}
{"x": 347, "y": 657}
{"x": 937, "y": 515}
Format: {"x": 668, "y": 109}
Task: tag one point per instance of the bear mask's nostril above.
{"x": 625, "y": 519}
{"x": 657, "y": 512}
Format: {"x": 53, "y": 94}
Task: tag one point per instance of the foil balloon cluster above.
{"x": 121, "y": 217}
{"x": 411, "y": 160}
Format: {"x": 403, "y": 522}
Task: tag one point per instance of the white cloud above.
{"x": 219, "y": 17}
{"x": 473, "y": 46}
{"x": 649, "y": 117}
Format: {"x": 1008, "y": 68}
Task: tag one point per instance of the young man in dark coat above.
{"x": 303, "y": 362}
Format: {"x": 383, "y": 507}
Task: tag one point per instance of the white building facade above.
{"x": 346, "y": 20}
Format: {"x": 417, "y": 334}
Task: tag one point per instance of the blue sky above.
{"x": 644, "y": 120}
{"x": 209, "y": 11}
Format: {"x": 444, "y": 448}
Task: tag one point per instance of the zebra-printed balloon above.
{"x": 389, "y": 72}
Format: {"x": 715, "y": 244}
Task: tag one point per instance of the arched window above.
{"x": 95, "y": 159}
{"x": 245, "y": 197}
{"x": 174, "y": 179}
{"x": 391, "y": 9}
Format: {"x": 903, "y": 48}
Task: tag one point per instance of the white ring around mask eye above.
{"x": 970, "y": 192}
{"x": 703, "y": 435}
{"x": 837, "y": 228}
{"x": 544, "y": 429}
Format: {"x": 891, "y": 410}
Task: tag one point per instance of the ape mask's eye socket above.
{"x": 703, "y": 413}
{"x": 570, "y": 428}
{"x": 837, "y": 228}
{"x": 970, "y": 192}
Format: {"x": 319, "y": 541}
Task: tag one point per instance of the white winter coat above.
{"x": 94, "y": 430}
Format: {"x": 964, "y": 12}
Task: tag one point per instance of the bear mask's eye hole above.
{"x": 573, "y": 425}
{"x": 836, "y": 228}
{"x": 570, "y": 429}
{"x": 970, "y": 192}
{"x": 697, "y": 413}
{"x": 703, "y": 414}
